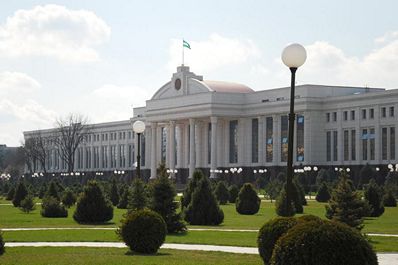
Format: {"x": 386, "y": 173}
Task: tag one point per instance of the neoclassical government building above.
{"x": 214, "y": 125}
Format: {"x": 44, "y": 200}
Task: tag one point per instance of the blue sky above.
{"x": 99, "y": 58}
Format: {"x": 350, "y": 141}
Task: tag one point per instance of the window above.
{"x": 124, "y": 135}
{"x": 268, "y": 136}
{"x": 345, "y": 115}
{"x": 372, "y": 143}
{"x": 143, "y": 143}
{"x": 392, "y": 143}
{"x": 104, "y": 150}
{"x": 129, "y": 135}
{"x": 328, "y": 146}
{"x": 384, "y": 143}
{"x": 334, "y": 116}
{"x": 254, "y": 140}
{"x": 364, "y": 114}
{"x": 328, "y": 117}
{"x": 113, "y": 156}
{"x": 353, "y": 145}
{"x": 353, "y": 115}
{"x": 208, "y": 143}
{"x": 346, "y": 145}
{"x": 335, "y": 146}
{"x": 233, "y": 141}
{"x": 371, "y": 114}
{"x": 383, "y": 112}
{"x": 164, "y": 144}
{"x": 106, "y": 137}
{"x": 130, "y": 155}
{"x": 300, "y": 138}
{"x": 284, "y": 138}
{"x": 364, "y": 144}
{"x": 122, "y": 157}
{"x": 391, "y": 111}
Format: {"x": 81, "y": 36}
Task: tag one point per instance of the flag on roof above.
{"x": 186, "y": 44}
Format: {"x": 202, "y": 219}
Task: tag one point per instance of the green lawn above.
{"x": 113, "y": 256}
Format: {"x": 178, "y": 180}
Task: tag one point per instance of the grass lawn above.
{"x": 109, "y": 256}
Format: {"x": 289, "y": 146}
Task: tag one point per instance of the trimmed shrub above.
{"x": 68, "y": 198}
{"x": 248, "y": 202}
{"x": 124, "y": 199}
{"x": 52, "y": 191}
{"x": 27, "y": 204}
{"x": 323, "y": 194}
{"x": 192, "y": 184}
{"x": 300, "y": 193}
{"x": 297, "y": 200}
{"x": 269, "y": 234}
{"x": 345, "y": 204}
{"x": 162, "y": 202}
{"x": 20, "y": 193}
{"x": 10, "y": 194}
{"x": 143, "y": 231}
{"x": 203, "y": 208}
{"x": 138, "y": 197}
{"x": 389, "y": 199}
{"x": 326, "y": 243}
{"x": 374, "y": 197}
{"x": 114, "y": 193}
{"x": 233, "y": 193}
{"x": 51, "y": 207}
{"x": 222, "y": 193}
{"x": 366, "y": 174}
{"x": 281, "y": 206}
{"x": 92, "y": 206}
{"x": 2, "y": 244}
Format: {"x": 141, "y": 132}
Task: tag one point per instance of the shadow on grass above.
{"x": 132, "y": 253}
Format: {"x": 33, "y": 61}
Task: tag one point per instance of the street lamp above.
{"x": 293, "y": 56}
{"x": 139, "y": 128}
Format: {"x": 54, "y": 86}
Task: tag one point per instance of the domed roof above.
{"x": 226, "y": 87}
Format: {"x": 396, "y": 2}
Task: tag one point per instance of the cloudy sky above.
{"x": 100, "y": 58}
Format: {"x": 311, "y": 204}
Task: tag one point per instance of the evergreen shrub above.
{"x": 323, "y": 194}
{"x": 51, "y": 207}
{"x": 248, "y": 202}
{"x": 68, "y": 198}
{"x": 20, "y": 193}
{"x": 233, "y": 193}
{"x": 389, "y": 199}
{"x": 222, "y": 193}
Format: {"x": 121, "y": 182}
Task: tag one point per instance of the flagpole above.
{"x": 182, "y": 52}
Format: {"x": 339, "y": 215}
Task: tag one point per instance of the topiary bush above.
{"x": 20, "y": 193}
{"x": 281, "y": 206}
{"x": 374, "y": 197}
{"x": 51, "y": 207}
{"x": 27, "y": 204}
{"x": 233, "y": 193}
{"x": 2, "y": 244}
{"x": 143, "y": 231}
{"x": 68, "y": 198}
{"x": 248, "y": 202}
{"x": 389, "y": 199}
{"x": 323, "y": 194}
{"x": 222, "y": 193}
{"x": 326, "y": 243}
{"x": 203, "y": 208}
{"x": 92, "y": 205}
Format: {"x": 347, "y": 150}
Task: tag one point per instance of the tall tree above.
{"x": 70, "y": 133}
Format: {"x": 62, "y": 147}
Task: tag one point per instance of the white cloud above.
{"x": 54, "y": 31}
{"x": 15, "y": 83}
{"x": 215, "y": 52}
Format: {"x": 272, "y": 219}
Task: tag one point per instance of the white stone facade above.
{"x": 235, "y": 126}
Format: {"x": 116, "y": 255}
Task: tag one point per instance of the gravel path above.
{"x": 384, "y": 258}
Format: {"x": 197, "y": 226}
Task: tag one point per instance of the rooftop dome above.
{"x": 227, "y": 87}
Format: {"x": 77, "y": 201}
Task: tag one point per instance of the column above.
{"x": 191, "y": 147}
{"x": 172, "y": 145}
{"x": 180, "y": 145}
{"x": 198, "y": 144}
{"x": 167, "y": 128}
{"x": 261, "y": 137}
{"x": 92, "y": 157}
{"x": 213, "y": 144}
{"x": 84, "y": 159}
{"x": 101, "y": 165}
{"x": 153, "y": 149}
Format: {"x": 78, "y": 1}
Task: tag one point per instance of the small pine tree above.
{"x": 10, "y": 194}
{"x": 391, "y": 182}
{"x": 323, "y": 194}
{"x": 138, "y": 197}
{"x": 124, "y": 199}
{"x": 20, "y": 193}
{"x": 27, "y": 204}
{"x": 43, "y": 190}
{"x": 273, "y": 188}
{"x": 366, "y": 174}
{"x": 389, "y": 199}
{"x": 114, "y": 193}
{"x": 68, "y": 198}
{"x": 92, "y": 205}
{"x": 52, "y": 191}
{"x": 203, "y": 208}
{"x": 300, "y": 192}
{"x": 281, "y": 206}
{"x": 248, "y": 202}
{"x": 193, "y": 183}
{"x": 162, "y": 201}
{"x": 345, "y": 204}
{"x": 222, "y": 193}
{"x": 233, "y": 193}
{"x": 374, "y": 197}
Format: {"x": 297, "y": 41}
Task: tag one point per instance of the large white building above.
{"x": 195, "y": 123}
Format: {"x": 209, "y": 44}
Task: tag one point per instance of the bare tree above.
{"x": 30, "y": 152}
{"x": 71, "y": 131}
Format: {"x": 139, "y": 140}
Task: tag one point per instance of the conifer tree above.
{"x": 138, "y": 199}
{"x": 68, "y": 198}
{"x": 114, "y": 193}
{"x": 248, "y": 202}
{"x": 374, "y": 197}
{"x": 52, "y": 191}
{"x": 281, "y": 206}
{"x": 233, "y": 193}
{"x": 20, "y": 193}
{"x": 323, "y": 194}
{"x": 345, "y": 204}
{"x": 10, "y": 194}
{"x": 222, "y": 193}
{"x": 193, "y": 183}
{"x": 162, "y": 202}
{"x": 124, "y": 199}
{"x": 389, "y": 199}
{"x": 27, "y": 204}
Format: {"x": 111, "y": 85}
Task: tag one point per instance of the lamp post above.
{"x": 139, "y": 128}
{"x": 293, "y": 56}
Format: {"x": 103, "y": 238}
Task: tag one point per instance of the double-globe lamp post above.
{"x": 293, "y": 56}
{"x": 138, "y": 128}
